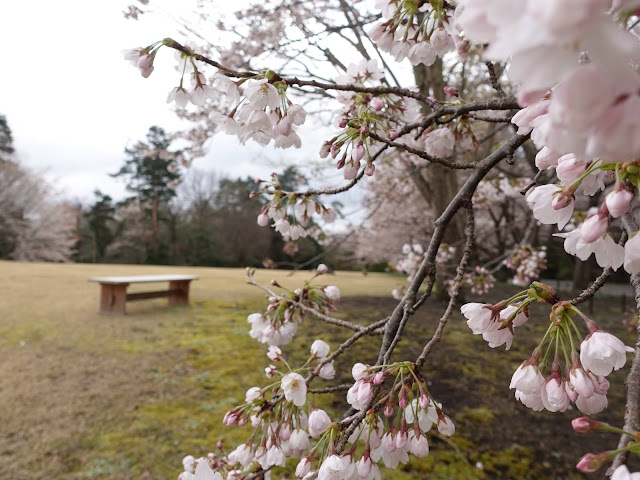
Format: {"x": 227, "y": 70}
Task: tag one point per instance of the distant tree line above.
{"x": 204, "y": 220}
{"x": 35, "y": 223}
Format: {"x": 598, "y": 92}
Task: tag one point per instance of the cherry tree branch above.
{"x": 301, "y": 306}
{"x": 337, "y": 388}
{"x": 589, "y": 292}
{"x": 509, "y": 103}
{"x": 423, "y": 154}
{"x": 427, "y": 267}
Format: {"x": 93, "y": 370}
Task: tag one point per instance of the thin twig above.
{"x": 338, "y": 388}
{"x": 494, "y": 79}
{"x": 312, "y": 311}
{"x": 455, "y": 289}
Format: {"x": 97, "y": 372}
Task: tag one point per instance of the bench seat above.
{"x": 114, "y": 296}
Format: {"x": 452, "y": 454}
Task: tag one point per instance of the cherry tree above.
{"x": 552, "y": 84}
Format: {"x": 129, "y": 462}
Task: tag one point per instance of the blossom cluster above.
{"x": 259, "y": 107}
{"x": 480, "y": 280}
{"x": 580, "y": 108}
{"x": 409, "y": 412}
{"x": 291, "y": 213}
{"x": 419, "y": 31}
{"x": 630, "y": 320}
{"x": 279, "y": 323}
{"x": 585, "y": 367}
{"x": 282, "y": 428}
{"x": 412, "y": 257}
{"x": 361, "y": 115}
{"x": 527, "y": 262}
{"x": 496, "y": 190}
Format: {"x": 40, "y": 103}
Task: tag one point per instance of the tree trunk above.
{"x": 154, "y": 225}
{"x": 441, "y": 182}
{"x": 143, "y": 223}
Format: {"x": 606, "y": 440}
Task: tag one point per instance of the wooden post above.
{"x": 179, "y": 292}
{"x": 113, "y": 298}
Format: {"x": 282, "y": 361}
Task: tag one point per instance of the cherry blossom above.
{"x": 622, "y": 473}
{"x": 204, "y": 472}
{"x": 439, "y": 142}
{"x": 320, "y": 348}
{"x": 319, "y": 421}
{"x": 601, "y": 353}
{"x": 632, "y": 255}
{"x": 550, "y": 205}
{"x": 295, "y": 388}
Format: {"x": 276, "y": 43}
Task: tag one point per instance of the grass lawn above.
{"x": 85, "y": 396}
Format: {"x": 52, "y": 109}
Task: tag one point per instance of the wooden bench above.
{"x": 114, "y": 296}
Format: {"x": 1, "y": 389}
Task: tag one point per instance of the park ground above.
{"x": 87, "y": 396}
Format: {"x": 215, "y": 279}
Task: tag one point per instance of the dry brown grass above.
{"x": 69, "y": 374}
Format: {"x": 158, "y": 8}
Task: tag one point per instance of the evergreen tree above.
{"x": 6, "y": 140}
{"x": 150, "y": 175}
{"x": 99, "y": 219}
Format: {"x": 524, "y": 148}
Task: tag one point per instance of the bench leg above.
{"x": 113, "y": 298}
{"x": 180, "y": 293}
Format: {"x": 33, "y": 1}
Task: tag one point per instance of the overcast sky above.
{"x": 73, "y": 103}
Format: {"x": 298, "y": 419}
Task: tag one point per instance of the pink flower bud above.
{"x": 334, "y": 150}
{"x": 446, "y": 426}
{"x": 342, "y": 123}
{"x": 618, "y": 202}
{"x": 592, "y": 462}
{"x": 403, "y": 401}
{"x": 358, "y": 152}
{"x": 285, "y": 432}
{"x": 284, "y": 127}
{"x": 388, "y": 410}
{"x": 364, "y": 466}
{"x": 145, "y": 64}
{"x": 369, "y": 169}
{"x": 380, "y": 377}
{"x": 263, "y": 219}
{"x": 393, "y": 134}
{"x": 303, "y": 468}
{"x": 593, "y": 228}
{"x": 242, "y": 422}
{"x": 453, "y": 91}
{"x": 219, "y": 444}
{"x": 586, "y": 425}
{"x": 600, "y": 384}
{"x": 325, "y": 149}
{"x": 569, "y": 168}
{"x": 560, "y": 201}
{"x": 230, "y": 418}
{"x": 363, "y": 129}
{"x": 322, "y": 269}
{"x": 351, "y": 170}
{"x": 423, "y": 400}
{"x": 377, "y": 104}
